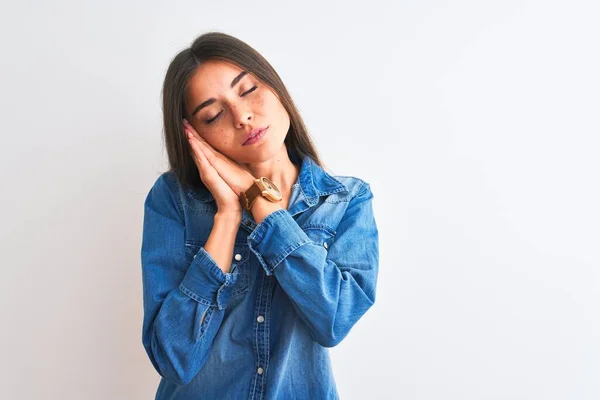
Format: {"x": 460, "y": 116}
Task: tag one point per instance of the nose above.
{"x": 241, "y": 116}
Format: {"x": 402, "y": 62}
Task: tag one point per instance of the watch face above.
{"x": 271, "y": 186}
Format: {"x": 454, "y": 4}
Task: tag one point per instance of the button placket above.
{"x": 261, "y": 334}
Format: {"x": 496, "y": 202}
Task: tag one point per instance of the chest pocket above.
{"x": 320, "y": 234}
{"x": 239, "y": 264}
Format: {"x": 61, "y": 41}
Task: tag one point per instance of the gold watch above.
{"x": 260, "y": 186}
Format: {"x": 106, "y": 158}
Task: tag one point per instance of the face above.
{"x": 224, "y": 104}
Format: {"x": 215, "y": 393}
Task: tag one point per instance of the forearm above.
{"x": 329, "y": 272}
{"x": 221, "y": 240}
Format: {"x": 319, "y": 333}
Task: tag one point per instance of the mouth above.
{"x": 256, "y": 136}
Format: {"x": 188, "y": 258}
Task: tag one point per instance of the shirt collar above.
{"x": 315, "y": 182}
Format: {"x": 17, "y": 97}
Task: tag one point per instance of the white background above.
{"x": 476, "y": 123}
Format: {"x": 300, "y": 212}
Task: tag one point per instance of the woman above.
{"x": 254, "y": 259}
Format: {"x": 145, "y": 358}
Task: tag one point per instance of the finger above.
{"x": 197, "y": 136}
{"x": 207, "y": 172}
{"x": 209, "y": 151}
{"x": 211, "y": 155}
{"x": 223, "y": 166}
{"x": 199, "y": 157}
{"x": 214, "y": 157}
{"x": 191, "y": 129}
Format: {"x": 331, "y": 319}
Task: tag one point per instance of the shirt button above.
{"x": 260, "y": 370}
{"x": 260, "y": 318}
{"x": 325, "y": 245}
{"x": 238, "y": 257}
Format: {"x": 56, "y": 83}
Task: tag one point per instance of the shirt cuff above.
{"x": 206, "y": 283}
{"x": 277, "y": 235}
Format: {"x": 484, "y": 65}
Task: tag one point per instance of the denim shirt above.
{"x": 298, "y": 282}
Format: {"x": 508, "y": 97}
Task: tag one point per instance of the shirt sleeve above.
{"x": 329, "y": 288}
{"x": 183, "y": 302}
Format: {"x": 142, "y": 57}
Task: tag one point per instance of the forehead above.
{"x": 211, "y": 79}
{"x": 213, "y": 74}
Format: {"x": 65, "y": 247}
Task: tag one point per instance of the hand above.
{"x": 225, "y": 178}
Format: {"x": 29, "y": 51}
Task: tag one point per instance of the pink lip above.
{"x": 256, "y": 137}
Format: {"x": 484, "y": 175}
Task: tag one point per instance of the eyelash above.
{"x": 209, "y": 121}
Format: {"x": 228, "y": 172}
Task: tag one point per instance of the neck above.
{"x": 279, "y": 169}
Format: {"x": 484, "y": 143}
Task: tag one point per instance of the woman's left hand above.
{"x": 238, "y": 178}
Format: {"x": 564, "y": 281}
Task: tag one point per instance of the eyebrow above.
{"x": 212, "y": 99}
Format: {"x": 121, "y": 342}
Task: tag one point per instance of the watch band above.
{"x": 260, "y": 187}
{"x": 248, "y": 197}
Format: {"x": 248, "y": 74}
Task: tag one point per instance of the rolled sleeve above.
{"x": 206, "y": 283}
{"x": 276, "y": 237}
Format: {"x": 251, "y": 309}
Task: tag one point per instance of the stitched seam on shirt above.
{"x": 319, "y": 227}
{"x": 268, "y": 329}
{"x": 212, "y": 266}
{"x": 258, "y": 234}
{"x": 194, "y": 296}
{"x": 198, "y": 210}
{"x": 259, "y": 301}
{"x": 344, "y": 200}
{"x": 287, "y": 252}
{"x": 260, "y": 258}
{"x": 358, "y": 190}
{"x": 206, "y": 321}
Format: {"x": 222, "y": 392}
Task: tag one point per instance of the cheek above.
{"x": 272, "y": 106}
{"x": 260, "y": 103}
{"x": 219, "y": 138}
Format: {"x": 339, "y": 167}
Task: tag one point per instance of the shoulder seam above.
{"x": 361, "y": 182}
{"x": 364, "y": 186}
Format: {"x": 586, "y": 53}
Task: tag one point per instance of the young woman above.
{"x": 255, "y": 260}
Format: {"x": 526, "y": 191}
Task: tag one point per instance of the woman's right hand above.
{"x": 227, "y": 200}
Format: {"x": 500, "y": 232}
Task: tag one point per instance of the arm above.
{"x": 329, "y": 288}
{"x": 183, "y": 302}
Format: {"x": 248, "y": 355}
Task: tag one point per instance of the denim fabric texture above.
{"x": 298, "y": 283}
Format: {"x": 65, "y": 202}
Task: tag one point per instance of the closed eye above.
{"x": 252, "y": 89}
{"x": 209, "y": 121}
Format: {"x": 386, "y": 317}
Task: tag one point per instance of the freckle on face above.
{"x": 260, "y": 102}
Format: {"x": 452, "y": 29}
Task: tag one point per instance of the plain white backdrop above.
{"x": 476, "y": 123}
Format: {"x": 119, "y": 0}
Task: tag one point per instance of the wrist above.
{"x": 231, "y": 218}
{"x": 262, "y": 207}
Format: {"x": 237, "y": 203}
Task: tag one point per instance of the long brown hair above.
{"x": 221, "y": 46}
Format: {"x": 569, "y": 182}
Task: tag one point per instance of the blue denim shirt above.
{"x": 298, "y": 282}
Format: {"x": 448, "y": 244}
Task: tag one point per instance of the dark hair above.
{"x": 221, "y": 46}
